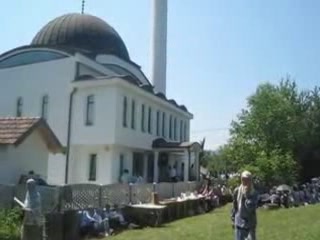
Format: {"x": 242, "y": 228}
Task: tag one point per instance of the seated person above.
{"x": 86, "y": 223}
{"x": 114, "y": 215}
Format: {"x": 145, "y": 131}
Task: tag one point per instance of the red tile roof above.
{"x": 14, "y": 128}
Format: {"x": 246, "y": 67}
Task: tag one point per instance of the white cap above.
{"x": 246, "y": 174}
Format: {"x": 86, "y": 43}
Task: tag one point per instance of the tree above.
{"x": 277, "y": 133}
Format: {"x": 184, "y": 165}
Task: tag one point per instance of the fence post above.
{"x": 154, "y": 187}
{"x": 12, "y": 193}
{"x": 173, "y": 189}
{"x": 130, "y": 193}
{"x": 100, "y": 196}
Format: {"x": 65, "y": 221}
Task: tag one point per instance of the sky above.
{"x": 218, "y": 51}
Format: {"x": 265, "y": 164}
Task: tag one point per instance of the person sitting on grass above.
{"x": 245, "y": 203}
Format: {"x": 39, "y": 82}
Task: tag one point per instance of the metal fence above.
{"x": 81, "y": 196}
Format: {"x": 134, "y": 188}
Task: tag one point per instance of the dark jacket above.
{"x": 246, "y": 217}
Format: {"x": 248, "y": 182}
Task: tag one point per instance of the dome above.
{"x": 82, "y": 31}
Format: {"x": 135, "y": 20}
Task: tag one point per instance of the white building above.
{"x": 77, "y": 74}
{"x": 25, "y": 144}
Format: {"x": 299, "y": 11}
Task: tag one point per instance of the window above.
{"x": 175, "y": 129}
{"x": 90, "y": 110}
{"x": 124, "y": 114}
{"x": 133, "y": 114}
{"x": 143, "y": 118}
{"x": 181, "y": 131}
{"x": 29, "y": 58}
{"x": 137, "y": 164}
{"x": 170, "y": 127}
{"x": 44, "y": 107}
{"x": 93, "y": 167}
{"x": 150, "y": 120}
{"x": 185, "y": 131}
{"x": 158, "y": 123}
{"x": 163, "y": 124}
{"x": 19, "y": 107}
{"x": 121, "y": 166}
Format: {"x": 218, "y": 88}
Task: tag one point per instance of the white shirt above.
{"x": 125, "y": 178}
{"x": 173, "y": 172}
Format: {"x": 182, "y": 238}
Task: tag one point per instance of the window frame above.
{"x": 150, "y": 120}
{"x": 133, "y": 114}
{"x": 170, "y": 127}
{"x": 45, "y": 106}
{"x": 181, "y": 131}
{"x": 93, "y": 162}
{"x": 164, "y": 135}
{"x": 175, "y": 128}
{"x": 158, "y": 123}
{"x": 51, "y": 56}
{"x": 125, "y": 112}
{"x": 90, "y": 105}
{"x": 19, "y": 107}
{"x": 143, "y": 129}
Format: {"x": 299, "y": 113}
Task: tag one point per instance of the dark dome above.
{"x": 82, "y": 31}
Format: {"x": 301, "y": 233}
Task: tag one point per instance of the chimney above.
{"x": 159, "y": 45}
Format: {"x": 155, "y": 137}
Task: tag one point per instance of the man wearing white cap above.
{"x": 245, "y": 202}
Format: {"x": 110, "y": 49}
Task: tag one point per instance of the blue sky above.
{"x": 218, "y": 51}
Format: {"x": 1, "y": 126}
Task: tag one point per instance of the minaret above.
{"x": 159, "y": 45}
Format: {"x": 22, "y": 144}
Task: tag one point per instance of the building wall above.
{"x": 103, "y": 129}
{"x": 31, "y": 154}
{"x": 108, "y": 163}
{"x": 136, "y": 138}
{"x": 32, "y": 82}
{"x": 53, "y": 78}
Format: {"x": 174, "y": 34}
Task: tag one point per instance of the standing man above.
{"x": 245, "y": 202}
{"x": 173, "y": 173}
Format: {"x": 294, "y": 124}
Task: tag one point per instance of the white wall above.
{"x": 33, "y": 81}
{"x": 135, "y": 138}
{"x": 80, "y": 159}
{"x": 103, "y": 129}
{"x": 31, "y": 154}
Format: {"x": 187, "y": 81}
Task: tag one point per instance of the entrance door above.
{"x": 150, "y": 168}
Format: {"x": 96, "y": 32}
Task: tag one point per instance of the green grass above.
{"x": 285, "y": 224}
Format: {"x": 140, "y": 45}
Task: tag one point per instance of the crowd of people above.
{"x": 103, "y": 222}
{"x": 295, "y": 196}
{"x": 214, "y": 196}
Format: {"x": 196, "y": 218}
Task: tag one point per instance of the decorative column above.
{"x": 145, "y": 166}
{"x": 186, "y": 166}
{"x": 156, "y": 167}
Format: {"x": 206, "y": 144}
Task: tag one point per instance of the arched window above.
{"x": 29, "y": 58}
{"x": 19, "y": 107}
{"x": 44, "y": 107}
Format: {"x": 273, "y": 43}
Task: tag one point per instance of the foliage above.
{"x": 10, "y": 222}
{"x": 233, "y": 182}
{"x": 294, "y": 224}
{"x": 278, "y": 135}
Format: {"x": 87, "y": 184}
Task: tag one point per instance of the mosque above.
{"x": 77, "y": 74}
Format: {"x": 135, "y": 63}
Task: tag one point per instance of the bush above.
{"x": 10, "y": 223}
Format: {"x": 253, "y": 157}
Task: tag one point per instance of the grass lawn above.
{"x": 285, "y": 224}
